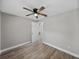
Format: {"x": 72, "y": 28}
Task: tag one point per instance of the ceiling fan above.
{"x": 36, "y": 12}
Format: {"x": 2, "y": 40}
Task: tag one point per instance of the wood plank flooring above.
{"x": 36, "y": 51}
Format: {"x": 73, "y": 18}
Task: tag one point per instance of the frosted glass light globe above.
{"x": 35, "y": 15}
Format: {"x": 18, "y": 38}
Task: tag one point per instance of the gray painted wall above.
{"x": 63, "y": 31}
{"x": 0, "y": 30}
{"x": 14, "y": 30}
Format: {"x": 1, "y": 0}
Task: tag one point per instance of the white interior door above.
{"x": 37, "y": 30}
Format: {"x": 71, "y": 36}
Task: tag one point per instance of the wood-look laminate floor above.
{"x": 36, "y": 51}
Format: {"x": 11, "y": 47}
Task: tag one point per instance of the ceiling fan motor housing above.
{"x": 35, "y": 10}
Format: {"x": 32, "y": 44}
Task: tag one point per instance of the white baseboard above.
{"x": 13, "y": 47}
{"x": 73, "y": 54}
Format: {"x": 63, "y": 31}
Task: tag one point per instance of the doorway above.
{"x": 37, "y": 31}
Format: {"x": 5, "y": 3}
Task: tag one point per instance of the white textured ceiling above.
{"x": 53, "y": 7}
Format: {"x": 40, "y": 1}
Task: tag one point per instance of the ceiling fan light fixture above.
{"x": 35, "y": 14}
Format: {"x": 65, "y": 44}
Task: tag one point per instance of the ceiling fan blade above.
{"x": 29, "y": 14}
{"x": 42, "y": 14}
{"x": 27, "y": 9}
{"x": 41, "y": 8}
